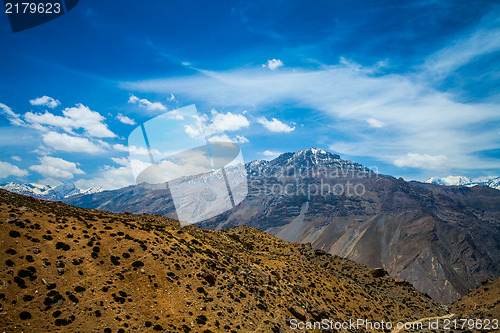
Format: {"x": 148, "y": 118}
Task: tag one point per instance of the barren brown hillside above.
{"x": 68, "y": 269}
{"x": 482, "y": 303}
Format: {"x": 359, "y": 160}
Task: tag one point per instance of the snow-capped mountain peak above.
{"x": 492, "y": 181}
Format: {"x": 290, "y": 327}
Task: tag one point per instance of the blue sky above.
{"x": 410, "y": 88}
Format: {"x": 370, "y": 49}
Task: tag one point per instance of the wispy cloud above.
{"x": 461, "y": 52}
{"x": 275, "y": 125}
{"x": 125, "y": 119}
{"x": 375, "y": 123}
{"x": 411, "y": 115}
{"x": 14, "y": 118}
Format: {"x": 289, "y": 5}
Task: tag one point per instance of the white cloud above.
{"x": 56, "y": 168}
{"x": 76, "y": 117}
{"x": 348, "y": 63}
{"x": 65, "y": 142}
{"x": 241, "y": 139}
{"x": 13, "y": 117}
{"x": 103, "y": 144}
{"x": 144, "y": 103}
{"x": 273, "y": 64}
{"x": 38, "y": 120}
{"x": 111, "y": 178}
{"x": 125, "y": 119}
{"x": 120, "y": 147}
{"x": 175, "y": 114}
{"x": 226, "y": 122}
{"x": 7, "y": 169}
{"x": 16, "y": 158}
{"x": 220, "y": 138}
{"x": 123, "y": 161}
{"x": 46, "y": 101}
{"x": 375, "y": 123}
{"x": 270, "y": 154}
{"x": 133, "y": 99}
{"x": 275, "y": 125}
{"x": 90, "y": 121}
{"x": 424, "y": 161}
{"x": 225, "y": 138}
{"x": 193, "y": 131}
{"x": 214, "y": 127}
{"x": 136, "y": 150}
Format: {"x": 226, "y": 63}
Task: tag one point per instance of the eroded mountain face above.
{"x": 444, "y": 240}
{"x": 78, "y": 270}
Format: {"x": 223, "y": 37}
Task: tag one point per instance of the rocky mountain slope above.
{"x": 70, "y": 269}
{"x": 444, "y": 240}
{"x": 48, "y": 192}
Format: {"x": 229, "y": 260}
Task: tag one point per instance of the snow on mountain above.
{"x": 92, "y": 190}
{"x": 492, "y": 181}
{"x": 310, "y": 159}
{"x": 30, "y": 189}
{"x": 47, "y": 191}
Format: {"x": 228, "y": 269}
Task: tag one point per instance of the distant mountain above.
{"x": 48, "y": 192}
{"x": 444, "y": 240}
{"x": 493, "y": 182}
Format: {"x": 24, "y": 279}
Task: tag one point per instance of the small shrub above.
{"x": 137, "y": 264}
{"x": 25, "y": 315}
{"x": 79, "y": 289}
{"x": 201, "y": 319}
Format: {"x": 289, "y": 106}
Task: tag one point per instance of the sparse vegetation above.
{"x": 146, "y": 273}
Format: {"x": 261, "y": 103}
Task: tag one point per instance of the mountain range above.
{"x": 48, "y": 192}
{"x": 444, "y": 240}
{"x": 492, "y": 181}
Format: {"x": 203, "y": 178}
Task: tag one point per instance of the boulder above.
{"x": 379, "y": 272}
{"x": 297, "y": 311}
{"x": 319, "y": 252}
{"x": 318, "y": 314}
{"x": 210, "y": 278}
